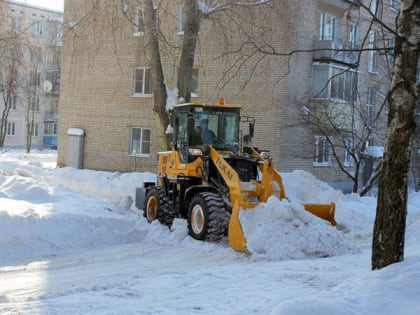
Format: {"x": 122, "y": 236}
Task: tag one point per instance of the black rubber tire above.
{"x": 156, "y": 207}
{"x": 207, "y": 217}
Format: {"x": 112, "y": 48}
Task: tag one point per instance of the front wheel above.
{"x": 207, "y": 217}
{"x": 156, "y": 207}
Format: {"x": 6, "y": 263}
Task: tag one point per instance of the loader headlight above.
{"x": 195, "y": 152}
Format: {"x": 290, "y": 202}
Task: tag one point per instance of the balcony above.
{"x": 49, "y": 141}
{"x": 342, "y": 4}
{"x": 327, "y": 51}
{"x": 51, "y": 116}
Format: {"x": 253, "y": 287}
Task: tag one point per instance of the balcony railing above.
{"x": 51, "y": 116}
{"x": 334, "y": 51}
{"x": 49, "y": 141}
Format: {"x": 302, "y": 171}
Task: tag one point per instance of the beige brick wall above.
{"x": 101, "y": 52}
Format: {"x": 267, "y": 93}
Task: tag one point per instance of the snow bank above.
{"x": 117, "y": 187}
{"x": 280, "y": 230}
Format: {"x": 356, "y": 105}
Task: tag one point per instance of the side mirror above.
{"x": 251, "y": 130}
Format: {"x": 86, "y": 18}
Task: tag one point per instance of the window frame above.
{"x": 16, "y": 24}
{"x": 394, "y": 5}
{"x": 35, "y": 130}
{"x": 348, "y": 159}
{"x": 373, "y": 54}
{"x": 143, "y": 82}
{"x": 54, "y": 76}
{"x": 370, "y": 106}
{"x": 13, "y": 102}
{"x": 333, "y": 81}
{"x": 325, "y": 153}
{"x": 138, "y": 22}
{"x": 11, "y": 129}
{"x": 37, "y": 28}
{"x": 181, "y": 21}
{"x": 328, "y": 26}
{"x": 136, "y": 150}
{"x": 354, "y": 35}
{"x": 34, "y": 103}
{"x": 35, "y": 79}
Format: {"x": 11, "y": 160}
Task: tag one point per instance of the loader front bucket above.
{"x": 236, "y": 236}
{"x": 324, "y": 211}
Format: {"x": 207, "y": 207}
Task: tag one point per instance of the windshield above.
{"x": 216, "y": 127}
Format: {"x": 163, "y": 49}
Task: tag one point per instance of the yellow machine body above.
{"x": 204, "y": 170}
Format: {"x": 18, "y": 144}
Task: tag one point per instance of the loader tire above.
{"x": 156, "y": 207}
{"x": 207, "y": 217}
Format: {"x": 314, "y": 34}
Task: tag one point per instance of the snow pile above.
{"x": 118, "y": 188}
{"x": 99, "y": 203}
{"x": 283, "y": 230}
{"x": 71, "y": 235}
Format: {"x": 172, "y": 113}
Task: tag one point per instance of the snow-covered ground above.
{"x": 72, "y": 242}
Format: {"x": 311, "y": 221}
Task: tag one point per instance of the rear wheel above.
{"x": 156, "y": 207}
{"x": 207, "y": 217}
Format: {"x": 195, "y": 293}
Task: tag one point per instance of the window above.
{"x": 37, "y": 28}
{"x": 142, "y": 84}
{"x": 11, "y": 129}
{"x": 55, "y": 32}
{"x": 54, "y": 77}
{"x": 35, "y": 79}
{"x": 50, "y": 128}
{"x": 348, "y": 160}
{"x": 140, "y": 142}
{"x": 181, "y": 20}
{"x": 35, "y": 54}
{"x": 328, "y": 28}
{"x": 375, "y": 7}
{"x": 34, "y": 103}
{"x": 370, "y": 107}
{"x": 138, "y": 23}
{"x": 13, "y": 102}
{"x": 34, "y": 129}
{"x": 322, "y": 154}
{"x": 373, "y": 54}
{"x": 354, "y": 35}
{"x": 16, "y": 24}
{"x": 390, "y": 49}
{"x": 394, "y": 4}
{"x": 332, "y": 82}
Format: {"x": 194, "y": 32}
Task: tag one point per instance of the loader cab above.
{"x": 198, "y": 125}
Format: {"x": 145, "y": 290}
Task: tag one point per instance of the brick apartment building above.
{"x": 31, "y": 42}
{"x": 105, "y": 74}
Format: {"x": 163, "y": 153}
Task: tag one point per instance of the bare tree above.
{"x": 391, "y": 211}
{"x": 346, "y": 129}
{"x": 193, "y": 11}
{"x": 9, "y": 70}
{"x": 158, "y": 82}
{"x": 191, "y": 31}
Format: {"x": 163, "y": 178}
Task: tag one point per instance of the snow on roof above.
{"x": 76, "y": 132}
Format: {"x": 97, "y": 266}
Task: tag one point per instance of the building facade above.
{"x": 30, "y": 59}
{"x": 293, "y": 65}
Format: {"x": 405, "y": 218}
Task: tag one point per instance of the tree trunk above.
{"x": 159, "y": 89}
{"x": 391, "y": 211}
{"x": 191, "y": 30}
{"x": 4, "y": 116}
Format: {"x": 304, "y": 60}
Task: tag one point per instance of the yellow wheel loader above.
{"x": 211, "y": 174}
